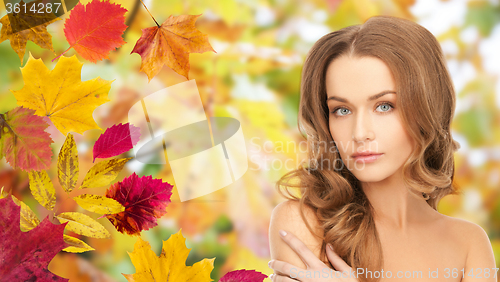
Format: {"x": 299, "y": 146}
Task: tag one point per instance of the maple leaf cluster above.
{"x": 95, "y": 29}
{"x": 58, "y": 97}
{"x": 146, "y": 198}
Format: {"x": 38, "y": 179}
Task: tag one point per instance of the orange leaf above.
{"x": 95, "y": 29}
{"x": 170, "y": 44}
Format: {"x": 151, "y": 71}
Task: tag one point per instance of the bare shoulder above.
{"x": 286, "y": 216}
{"x": 463, "y": 228}
{"x": 477, "y": 244}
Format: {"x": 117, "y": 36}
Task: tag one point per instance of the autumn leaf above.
{"x": 116, "y": 140}
{"x": 144, "y": 198}
{"x": 83, "y": 224}
{"x": 23, "y": 140}
{"x": 95, "y": 29}
{"x": 24, "y": 256}
{"x": 170, "y": 266}
{"x": 243, "y": 275}
{"x": 102, "y": 173}
{"x": 20, "y": 27}
{"x": 29, "y": 220}
{"x": 42, "y": 189}
{"x": 76, "y": 245}
{"x": 170, "y": 44}
{"x": 60, "y": 95}
{"x": 99, "y": 204}
{"x": 67, "y": 164}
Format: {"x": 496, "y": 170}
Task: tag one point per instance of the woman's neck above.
{"x": 395, "y": 206}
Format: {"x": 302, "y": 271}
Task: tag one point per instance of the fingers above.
{"x": 306, "y": 255}
{"x": 281, "y": 278}
{"x": 285, "y": 269}
{"x": 337, "y": 262}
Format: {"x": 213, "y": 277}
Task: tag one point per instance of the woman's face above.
{"x": 362, "y": 118}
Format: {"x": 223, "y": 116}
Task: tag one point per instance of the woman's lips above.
{"x": 367, "y": 158}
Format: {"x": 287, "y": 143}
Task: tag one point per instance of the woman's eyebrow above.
{"x": 371, "y": 98}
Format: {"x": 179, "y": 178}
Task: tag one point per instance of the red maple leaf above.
{"x": 116, "y": 140}
{"x": 95, "y": 29}
{"x": 243, "y": 275}
{"x": 24, "y": 256}
{"x": 144, "y": 199}
{"x": 24, "y": 141}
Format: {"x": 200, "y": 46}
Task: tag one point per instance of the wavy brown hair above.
{"x": 427, "y": 99}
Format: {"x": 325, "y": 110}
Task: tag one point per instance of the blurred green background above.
{"x": 255, "y": 78}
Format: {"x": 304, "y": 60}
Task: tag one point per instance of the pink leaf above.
{"x": 116, "y": 140}
{"x": 243, "y": 275}
{"x": 24, "y": 256}
{"x": 144, "y": 199}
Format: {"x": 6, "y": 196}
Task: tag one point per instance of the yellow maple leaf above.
{"x": 27, "y": 27}
{"x": 170, "y": 266}
{"x": 60, "y": 94}
{"x": 171, "y": 43}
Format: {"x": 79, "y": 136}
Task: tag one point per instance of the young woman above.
{"x": 377, "y": 102}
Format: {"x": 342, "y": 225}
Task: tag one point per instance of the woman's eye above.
{"x": 342, "y": 111}
{"x": 386, "y": 107}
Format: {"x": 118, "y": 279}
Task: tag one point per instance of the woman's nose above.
{"x": 362, "y": 128}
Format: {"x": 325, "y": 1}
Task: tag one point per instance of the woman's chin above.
{"x": 368, "y": 174}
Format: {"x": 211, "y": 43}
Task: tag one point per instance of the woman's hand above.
{"x": 316, "y": 270}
